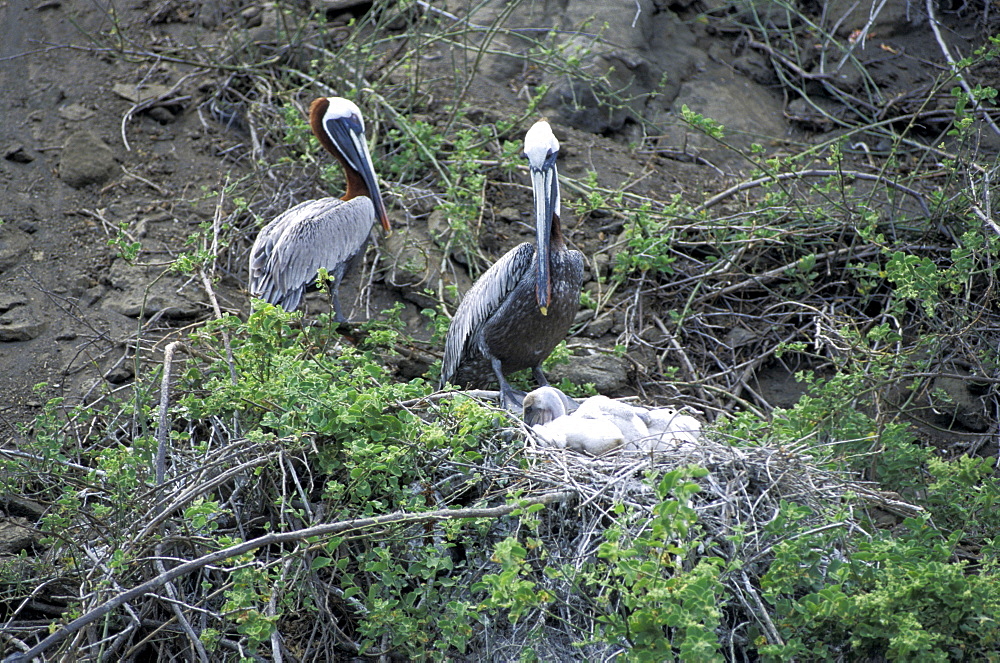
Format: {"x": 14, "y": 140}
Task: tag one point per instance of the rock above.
{"x": 24, "y": 508}
{"x": 18, "y": 326}
{"x": 139, "y": 94}
{"x": 414, "y": 262}
{"x": 143, "y": 291}
{"x": 13, "y": 243}
{"x": 161, "y": 115}
{"x": 642, "y": 65}
{"x": 120, "y": 374}
{"x": 893, "y": 17}
{"x": 608, "y": 373}
{"x": 27, "y": 226}
{"x": 653, "y": 51}
{"x": 267, "y": 30}
{"x": 251, "y": 16}
{"x": 17, "y": 153}
{"x": 336, "y": 5}
{"x": 10, "y": 300}
{"x": 755, "y": 65}
{"x": 17, "y": 534}
{"x": 748, "y": 112}
{"x": 438, "y": 226}
{"x": 509, "y": 214}
{"x": 86, "y": 159}
{"x": 772, "y": 13}
{"x": 595, "y": 328}
{"x": 76, "y": 112}
{"x": 739, "y": 336}
{"x": 960, "y": 400}
{"x": 817, "y": 114}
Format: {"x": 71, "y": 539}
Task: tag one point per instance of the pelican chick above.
{"x": 666, "y": 424}
{"x": 580, "y": 434}
{"x": 516, "y": 313}
{"x": 329, "y": 233}
{"x": 545, "y": 404}
{"x": 625, "y": 417}
{"x": 597, "y": 426}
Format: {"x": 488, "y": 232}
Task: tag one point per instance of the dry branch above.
{"x": 273, "y": 539}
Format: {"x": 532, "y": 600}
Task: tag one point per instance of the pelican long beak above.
{"x": 349, "y": 139}
{"x": 545, "y": 184}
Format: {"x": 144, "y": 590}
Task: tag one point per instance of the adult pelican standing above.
{"x": 520, "y": 308}
{"x": 329, "y": 233}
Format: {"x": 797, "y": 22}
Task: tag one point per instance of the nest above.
{"x": 742, "y": 491}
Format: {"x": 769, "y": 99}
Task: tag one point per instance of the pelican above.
{"x": 668, "y": 425}
{"x": 600, "y": 424}
{"x": 594, "y": 436}
{"x": 596, "y": 426}
{"x": 545, "y": 404}
{"x": 626, "y": 418}
{"x": 328, "y": 233}
{"x": 520, "y": 308}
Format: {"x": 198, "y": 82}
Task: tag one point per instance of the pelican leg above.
{"x": 510, "y": 399}
{"x": 335, "y": 302}
{"x": 536, "y": 371}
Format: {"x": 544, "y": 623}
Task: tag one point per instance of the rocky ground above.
{"x": 103, "y": 141}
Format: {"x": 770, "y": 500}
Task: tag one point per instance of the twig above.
{"x": 772, "y": 633}
{"x": 772, "y": 274}
{"x": 780, "y": 177}
{"x": 162, "y": 426}
{"x": 692, "y": 372}
{"x": 984, "y": 114}
{"x": 159, "y": 189}
{"x": 325, "y": 530}
{"x": 41, "y": 459}
{"x": 175, "y": 607}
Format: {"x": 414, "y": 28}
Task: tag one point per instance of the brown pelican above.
{"x": 521, "y": 307}
{"x": 625, "y": 417}
{"x": 328, "y": 233}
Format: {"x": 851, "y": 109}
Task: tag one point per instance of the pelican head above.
{"x": 338, "y": 125}
{"x": 546, "y": 404}
{"x": 541, "y": 148}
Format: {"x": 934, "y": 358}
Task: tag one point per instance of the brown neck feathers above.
{"x": 556, "y": 239}
{"x": 355, "y": 184}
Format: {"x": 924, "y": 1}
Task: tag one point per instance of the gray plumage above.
{"x": 499, "y": 319}
{"x": 330, "y": 233}
{"x": 521, "y": 307}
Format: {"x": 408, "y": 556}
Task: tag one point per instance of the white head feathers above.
{"x": 340, "y": 108}
{"x": 539, "y": 144}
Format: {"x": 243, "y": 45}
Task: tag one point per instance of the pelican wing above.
{"x": 290, "y": 250}
{"x": 482, "y": 300}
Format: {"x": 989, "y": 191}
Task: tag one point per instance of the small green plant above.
{"x": 649, "y": 238}
{"x": 903, "y": 598}
{"x": 128, "y": 249}
{"x": 669, "y": 600}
